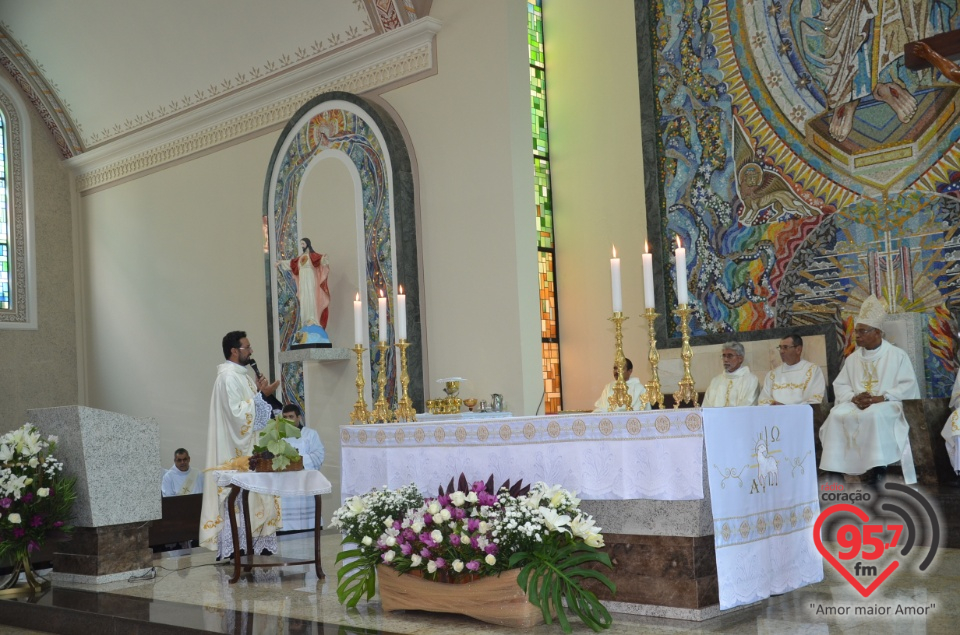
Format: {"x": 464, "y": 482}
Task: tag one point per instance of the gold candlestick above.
{"x": 381, "y": 409}
{"x": 405, "y": 411}
{"x": 360, "y": 414}
{"x": 688, "y": 389}
{"x": 654, "y": 392}
{"x": 620, "y": 396}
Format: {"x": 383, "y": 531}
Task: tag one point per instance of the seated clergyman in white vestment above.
{"x": 635, "y": 389}
{"x": 866, "y": 429}
{"x": 736, "y": 385}
{"x": 951, "y": 430}
{"x": 181, "y": 479}
{"x": 299, "y": 511}
{"x": 796, "y": 380}
{"x": 237, "y": 413}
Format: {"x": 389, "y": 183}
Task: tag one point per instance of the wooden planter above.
{"x": 492, "y": 599}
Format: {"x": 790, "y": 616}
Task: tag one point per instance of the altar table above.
{"x": 644, "y": 477}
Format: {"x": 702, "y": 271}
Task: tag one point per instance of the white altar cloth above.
{"x": 299, "y": 483}
{"x": 601, "y": 456}
{"x": 763, "y": 490}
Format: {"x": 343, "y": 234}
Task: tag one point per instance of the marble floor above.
{"x": 191, "y": 594}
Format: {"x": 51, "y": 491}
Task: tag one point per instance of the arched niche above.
{"x": 377, "y": 225}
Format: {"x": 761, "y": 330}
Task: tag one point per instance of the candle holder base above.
{"x": 405, "y": 411}
{"x": 687, "y": 391}
{"x": 381, "y": 409}
{"x": 360, "y": 414}
{"x": 620, "y": 397}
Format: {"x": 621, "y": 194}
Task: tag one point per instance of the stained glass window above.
{"x": 4, "y": 228}
{"x": 545, "y": 238}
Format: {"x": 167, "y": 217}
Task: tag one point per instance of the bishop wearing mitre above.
{"x": 866, "y": 429}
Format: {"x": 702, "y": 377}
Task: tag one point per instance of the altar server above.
{"x": 298, "y": 511}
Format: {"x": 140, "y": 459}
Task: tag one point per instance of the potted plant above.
{"x": 272, "y": 453}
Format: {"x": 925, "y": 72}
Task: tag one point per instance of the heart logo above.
{"x": 829, "y": 557}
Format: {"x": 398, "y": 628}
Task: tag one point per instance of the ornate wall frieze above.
{"x": 393, "y": 57}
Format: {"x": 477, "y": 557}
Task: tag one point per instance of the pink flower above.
{"x": 425, "y": 552}
{"x": 6, "y": 502}
{"x": 459, "y": 513}
{"x": 473, "y": 565}
{"x": 455, "y": 540}
{"x": 406, "y": 549}
{"x": 441, "y": 563}
{"x": 472, "y": 524}
{"x": 33, "y": 546}
{"x": 479, "y": 486}
{"x": 59, "y": 523}
{"x": 491, "y": 548}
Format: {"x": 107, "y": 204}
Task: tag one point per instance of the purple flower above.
{"x": 428, "y": 519}
{"x": 397, "y": 525}
{"x": 59, "y": 523}
{"x": 479, "y": 486}
{"x": 425, "y": 552}
{"x": 455, "y": 540}
{"x": 473, "y": 542}
{"x": 459, "y": 513}
{"x": 406, "y": 548}
{"x": 473, "y": 524}
{"x": 444, "y": 500}
{"x": 33, "y": 546}
{"x": 409, "y": 534}
{"x": 36, "y": 521}
{"x": 491, "y": 548}
{"x": 18, "y": 532}
{"x": 441, "y": 563}
{"x": 6, "y": 502}
{"x": 427, "y": 539}
{"x": 473, "y": 565}
{"x": 28, "y": 497}
{"x": 486, "y": 499}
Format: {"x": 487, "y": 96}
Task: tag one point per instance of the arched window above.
{"x": 18, "y": 290}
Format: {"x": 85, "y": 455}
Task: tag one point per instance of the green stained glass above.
{"x": 549, "y": 332}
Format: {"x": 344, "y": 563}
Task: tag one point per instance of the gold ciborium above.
{"x": 470, "y": 403}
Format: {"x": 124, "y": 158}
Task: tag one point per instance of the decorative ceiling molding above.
{"x": 44, "y": 99}
{"x": 402, "y": 54}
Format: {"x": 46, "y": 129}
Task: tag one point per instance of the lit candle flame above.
{"x": 401, "y": 289}
{"x": 646, "y": 247}
{"x": 358, "y": 297}
{"x": 381, "y": 293}
{"x": 679, "y": 245}
{"x": 614, "y": 251}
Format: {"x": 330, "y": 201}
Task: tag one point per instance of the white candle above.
{"x": 401, "y": 315}
{"x": 357, "y": 321}
{"x": 681, "y": 255}
{"x": 382, "y": 306}
{"x": 615, "y": 282}
{"x": 647, "y": 257}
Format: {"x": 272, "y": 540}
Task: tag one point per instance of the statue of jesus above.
{"x": 310, "y": 271}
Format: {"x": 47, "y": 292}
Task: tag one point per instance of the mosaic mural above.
{"x": 806, "y": 165}
{"x": 336, "y": 130}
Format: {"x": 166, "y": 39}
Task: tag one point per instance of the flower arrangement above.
{"x": 36, "y": 499}
{"x": 474, "y": 530}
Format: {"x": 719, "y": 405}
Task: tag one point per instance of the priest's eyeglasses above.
{"x": 244, "y": 348}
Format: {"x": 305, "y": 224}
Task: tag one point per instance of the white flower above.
{"x": 389, "y": 556}
{"x": 14, "y": 519}
{"x": 43, "y": 492}
{"x": 415, "y": 560}
{"x": 458, "y": 498}
{"x": 445, "y": 514}
{"x": 484, "y": 527}
{"x": 594, "y": 540}
{"x": 472, "y": 497}
{"x": 6, "y": 452}
{"x": 390, "y": 541}
{"x": 582, "y": 526}
{"x": 465, "y": 538}
{"x": 490, "y": 559}
{"x": 367, "y": 540}
{"x": 434, "y": 508}
{"x": 356, "y": 504}
{"x": 52, "y": 438}
{"x": 431, "y": 567}
{"x": 458, "y": 566}
{"x": 553, "y": 520}
{"x": 33, "y": 462}
{"x": 437, "y": 536}
{"x": 417, "y": 527}
{"x": 388, "y": 522}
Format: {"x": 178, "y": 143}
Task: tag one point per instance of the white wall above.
{"x": 174, "y": 259}
{"x": 594, "y": 121}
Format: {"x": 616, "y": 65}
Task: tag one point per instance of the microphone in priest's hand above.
{"x": 253, "y": 365}
{"x": 275, "y": 403}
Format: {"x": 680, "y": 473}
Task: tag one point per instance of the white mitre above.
{"x": 872, "y": 312}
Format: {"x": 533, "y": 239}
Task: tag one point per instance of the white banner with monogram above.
{"x": 763, "y": 490}
{"x": 601, "y": 456}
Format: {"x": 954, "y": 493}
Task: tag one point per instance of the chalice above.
{"x": 470, "y": 403}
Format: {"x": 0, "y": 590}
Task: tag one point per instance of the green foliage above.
{"x": 273, "y": 438}
{"x": 551, "y": 577}
{"x": 358, "y": 576}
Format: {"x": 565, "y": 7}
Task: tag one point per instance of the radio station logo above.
{"x": 873, "y": 546}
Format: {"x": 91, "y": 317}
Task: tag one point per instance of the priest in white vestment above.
{"x": 796, "y": 380}
{"x": 635, "y": 389}
{"x": 299, "y": 511}
{"x": 867, "y": 429}
{"x": 736, "y": 385}
{"x": 951, "y": 430}
{"x": 237, "y": 412}
{"x": 181, "y": 479}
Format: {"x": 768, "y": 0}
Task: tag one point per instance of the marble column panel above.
{"x": 100, "y": 551}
